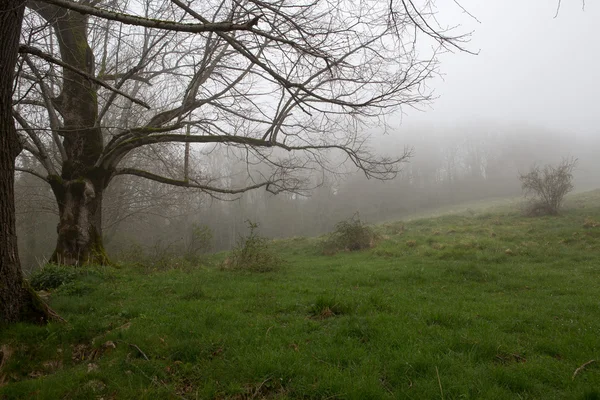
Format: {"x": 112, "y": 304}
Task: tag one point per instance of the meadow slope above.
{"x": 480, "y": 305}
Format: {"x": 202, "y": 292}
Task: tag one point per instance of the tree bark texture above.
{"x": 17, "y": 301}
{"x": 80, "y": 225}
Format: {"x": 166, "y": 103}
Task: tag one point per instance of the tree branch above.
{"x": 126, "y": 75}
{"x": 26, "y": 49}
{"x": 146, "y": 130}
{"x": 189, "y": 183}
{"x": 40, "y": 153}
{"x": 28, "y": 171}
{"x": 383, "y": 168}
{"x": 46, "y": 94}
{"x": 129, "y": 19}
{"x": 55, "y": 124}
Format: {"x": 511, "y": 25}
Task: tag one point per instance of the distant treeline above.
{"x": 449, "y": 166}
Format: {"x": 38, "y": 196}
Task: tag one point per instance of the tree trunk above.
{"x": 18, "y": 302}
{"x": 80, "y": 225}
{"x": 78, "y": 190}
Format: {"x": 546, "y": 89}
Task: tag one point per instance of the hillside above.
{"x": 483, "y": 304}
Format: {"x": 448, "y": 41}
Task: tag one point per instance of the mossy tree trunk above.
{"x": 80, "y": 224}
{"x": 17, "y": 301}
{"x": 79, "y": 188}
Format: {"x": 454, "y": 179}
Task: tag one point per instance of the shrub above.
{"x": 350, "y": 235}
{"x": 198, "y": 243}
{"x": 252, "y": 253}
{"x": 547, "y": 187}
{"x": 52, "y": 276}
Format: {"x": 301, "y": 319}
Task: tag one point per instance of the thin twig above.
{"x": 140, "y": 350}
{"x": 137, "y": 348}
{"x": 259, "y": 387}
{"x": 466, "y": 11}
{"x": 578, "y": 370}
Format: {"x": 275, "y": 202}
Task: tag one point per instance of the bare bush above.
{"x": 350, "y": 235}
{"x": 252, "y": 254}
{"x": 547, "y": 187}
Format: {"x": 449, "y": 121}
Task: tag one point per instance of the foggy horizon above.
{"x": 531, "y": 68}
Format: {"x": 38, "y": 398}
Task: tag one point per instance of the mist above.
{"x": 528, "y": 96}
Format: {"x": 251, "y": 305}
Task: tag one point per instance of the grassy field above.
{"x": 485, "y": 305}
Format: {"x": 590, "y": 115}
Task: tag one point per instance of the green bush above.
{"x": 252, "y": 253}
{"x": 350, "y": 235}
{"x": 52, "y": 276}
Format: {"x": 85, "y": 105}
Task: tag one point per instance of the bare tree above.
{"x": 280, "y": 84}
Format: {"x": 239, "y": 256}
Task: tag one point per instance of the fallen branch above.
{"x": 578, "y": 370}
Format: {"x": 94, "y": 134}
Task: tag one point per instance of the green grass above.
{"x": 487, "y": 305}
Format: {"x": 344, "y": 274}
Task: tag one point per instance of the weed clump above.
{"x": 327, "y": 307}
{"x": 253, "y": 254}
{"x": 591, "y": 223}
{"x": 52, "y": 276}
{"x": 350, "y": 235}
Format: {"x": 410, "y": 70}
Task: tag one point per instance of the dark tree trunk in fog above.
{"x": 78, "y": 190}
{"x": 17, "y": 301}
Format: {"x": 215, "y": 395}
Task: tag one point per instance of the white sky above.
{"x": 532, "y": 67}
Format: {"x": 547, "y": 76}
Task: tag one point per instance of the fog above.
{"x": 531, "y": 67}
{"x": 529, "y": 95}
